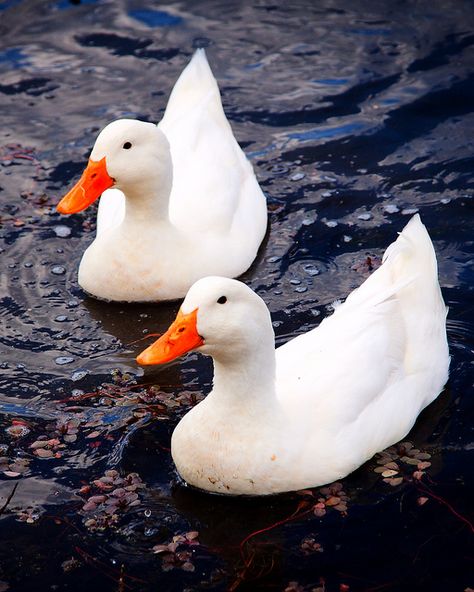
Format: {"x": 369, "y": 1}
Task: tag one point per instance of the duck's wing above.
{"x": 362, "y": 377}
{"x": 214, "y": 185}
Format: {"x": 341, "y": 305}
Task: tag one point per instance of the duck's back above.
{"x": 359, "y": 381}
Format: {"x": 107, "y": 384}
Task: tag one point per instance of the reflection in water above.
{"x": 355, "y": 116}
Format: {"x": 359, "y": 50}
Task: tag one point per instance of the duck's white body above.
{"x": 325, "y": 402}
{"x": 202, "y": 211}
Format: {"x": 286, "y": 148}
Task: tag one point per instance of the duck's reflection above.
{"x": 225, "y": 521}
{"x": 136, "y": 326}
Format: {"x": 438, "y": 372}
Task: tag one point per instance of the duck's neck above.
{"x": 246, "y": 383}
{"x": 148, "y": 202}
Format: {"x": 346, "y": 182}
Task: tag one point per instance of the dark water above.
{"x": 355, "y": 115}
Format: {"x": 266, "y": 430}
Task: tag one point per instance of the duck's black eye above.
{"x": 222, "y": 300}
{"x": 127, "y": 146}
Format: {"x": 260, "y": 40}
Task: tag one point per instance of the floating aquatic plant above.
{"x": 176, "y": 554}
{"x": 109, "y": 497}
{"x": 309, "y": 545}
{"x": 13, "y": 467}
{"x": 330, "y": 496}
{"x": 124, "y": 391}
{"x": 400, "y": 462}
{"x": 70, "y": 564}
{"x": 29, "y": 515}
{"x": 18, "y": 429}
{"x": 47, "y": 448}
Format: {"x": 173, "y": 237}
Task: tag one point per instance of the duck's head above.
{"x": 219, "y": 317}
{"x": 129, "y": 155}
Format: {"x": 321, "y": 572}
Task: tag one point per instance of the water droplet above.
{"x": 147, "y": 513}
{"x": 61, "y": 360}
{"x": 365, "y": 217}
{"x": 311, "y": 270}
{"x": 58, "y": 270}
{"x": 297, "y": 177}
{"x": 295, "y": 282}
{"x": 61, "y": 318}
{"x": 328, "y": 178}
{"x": 331, "y": 223}
{"x": 79, "y": 374}
{"x": 445, "y": 200}
{"x": 73, "y": 303}
{"x": 391, "y": 209}
{"x": 309, "y": 221}
{"x": 347, "y": 238}
{"x": 149, "y": 532}
{"x": 28, "y": 265}
{"x": 409, "y": 211}
{"x": 301, "y": 289}
{"x": 273, "y": 259}
{"x": 326, "y": 194}
{"x": 62, "y": 231}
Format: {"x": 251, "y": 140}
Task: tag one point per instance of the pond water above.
{"x": 355, "y": 115}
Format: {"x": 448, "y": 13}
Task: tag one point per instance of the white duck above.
{"x": 325, "y": 402}
{"x": 191, "y": 205}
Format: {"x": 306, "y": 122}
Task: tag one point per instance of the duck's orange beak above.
{"x": 181, "y": 337}
{"x": 94, "y": 181}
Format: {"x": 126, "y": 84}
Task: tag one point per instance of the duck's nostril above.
{"x": 181, "y": 329}
{"x": 94, "y": 175}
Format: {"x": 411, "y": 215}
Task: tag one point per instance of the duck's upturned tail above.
{"x": 411, "y": 263}
{"x": 195, "y": 90}
{"x": 409, "y": 275}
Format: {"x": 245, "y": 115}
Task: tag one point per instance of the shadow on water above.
{"x": 355, "y": 116}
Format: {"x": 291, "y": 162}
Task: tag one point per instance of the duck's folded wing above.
{"x": 338, "y": 369}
